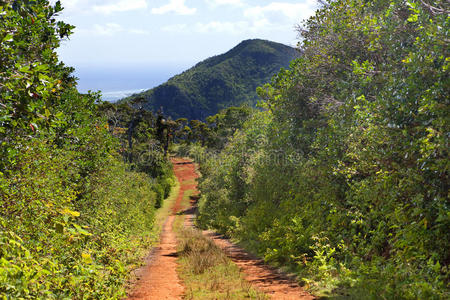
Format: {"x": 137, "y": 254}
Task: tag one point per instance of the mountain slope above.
{"x": 221, "y": 81}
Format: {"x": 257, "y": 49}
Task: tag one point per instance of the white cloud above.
{"x": 139, "y": 31}
{"x": 108, "y": 29}
{"x": 120, "y": 6}
{"x": 74, "y": 7}
{"x": 175, "y": 6}
{"x": 176, "y": 28}
{"x": 216, "y": 3}
{"x": 274, "y": 16}
{"x": 280, "y": 12}
{"x": 210, "y": 27}
{"x": 221, "y": 27}
{"x": 111, "y": 29}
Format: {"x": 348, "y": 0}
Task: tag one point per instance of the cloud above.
{"x": 272, "y": 17}
{"x": 120, "y": 6}
{"x": 111, "y": 29}
{"x": 175, "y": 6}
{"x": 138, "y": 31}
{"x": 74, "y": 7}
{"x": 216, "y": 3}
{"x": 221, "y": 27}
{"x": 176, "y": 28}
{"x": 210, "y": 27}
{"x": 280, "y": 12}
{"x": 108, "y": 29}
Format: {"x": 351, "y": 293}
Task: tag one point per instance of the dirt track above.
{"x": 159, "y": 280}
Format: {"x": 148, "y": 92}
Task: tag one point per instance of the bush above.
{"x": 74, "y": 218}
{"x": 352, "y": 151}
{"x": 57, "y": 242}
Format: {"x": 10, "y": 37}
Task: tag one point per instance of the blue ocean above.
{"x": 117, "y": 82}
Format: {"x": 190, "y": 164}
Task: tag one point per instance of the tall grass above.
{"x": 205, "y": 269}
{"x": 208, "y": 273}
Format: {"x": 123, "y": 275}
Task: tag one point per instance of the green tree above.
{"x": 345, "y": 173}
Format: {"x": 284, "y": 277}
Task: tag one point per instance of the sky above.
{"x": 117, "y": 44}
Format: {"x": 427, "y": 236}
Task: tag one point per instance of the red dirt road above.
{"x": 159, "y": 279}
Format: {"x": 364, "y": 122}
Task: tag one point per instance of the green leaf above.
{"x": 8, "y": 38}
{"x": 25, "y": 69}
{"x": 413, "y": 18}
{"x": 41, "y": 68}
{"x": 67, "y": 211}
{"x": 81, "y": 230}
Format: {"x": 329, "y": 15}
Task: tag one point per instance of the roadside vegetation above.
{"x": 77, "y": 204}
{"x": 343, "y": 175}
{"x": 206, "y": 271}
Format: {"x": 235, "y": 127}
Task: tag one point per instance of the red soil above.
{"x": 159, "y": 280}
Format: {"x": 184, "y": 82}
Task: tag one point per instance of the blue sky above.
{"x": 172, "y": 34}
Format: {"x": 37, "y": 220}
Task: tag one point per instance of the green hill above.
{"x": 221, "y": 81}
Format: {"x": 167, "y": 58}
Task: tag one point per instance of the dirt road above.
{"x": 159, "y": 280}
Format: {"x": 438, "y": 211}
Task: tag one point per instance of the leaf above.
{"x": 8, "y": 38}
{"x": 413, "y": 18}
{"x": 41, "y": 68}
{"x": 25, "y": 69}
{"x": 86, "y": 257}
{"x": 67, "y": 211}
{"x": 81, "y": 230}
{"x": 59, "y": 228}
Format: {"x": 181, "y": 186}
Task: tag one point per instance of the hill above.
{"x": 229, "y": 79}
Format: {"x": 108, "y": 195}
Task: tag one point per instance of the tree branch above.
{"x": 435, "y": 10}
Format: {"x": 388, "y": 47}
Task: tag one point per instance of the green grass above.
{"x": 163, "y": 212}
{"x": 206, "y": 271}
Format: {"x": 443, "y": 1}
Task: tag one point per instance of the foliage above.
{"x": 31, "y": 77}
{"x": 57, "y": 243}
{"x": 194, "y": 136}
{"x": 205, "y": 269}
{"x": 141, "y": 144}
{"x": 208, "y": 273}
{"x": 221, "y": 81}
{"x": 345, "y": 173}
{"x": 74, "y": 217}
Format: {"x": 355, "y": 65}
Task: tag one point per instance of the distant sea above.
{"x": 117, "y": 82}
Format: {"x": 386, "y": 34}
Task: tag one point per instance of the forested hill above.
{"x": 221, "y": 81}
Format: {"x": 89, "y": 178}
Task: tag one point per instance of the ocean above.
{"x": 117, "y": 82}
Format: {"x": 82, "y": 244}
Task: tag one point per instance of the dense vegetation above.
{"x": 214, "y": 133}
{"x": 221, "y": 81}
{"x": 75, "y": 215}
{"x": 344, "y": 174}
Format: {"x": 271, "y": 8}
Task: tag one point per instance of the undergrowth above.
{"x": 206, "y": 271}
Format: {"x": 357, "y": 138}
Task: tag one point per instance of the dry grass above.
{"x": 207, "y": 272}
{"x": 199, "y": 251}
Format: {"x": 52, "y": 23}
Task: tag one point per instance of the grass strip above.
{"x": 164, "y": 211}
{"x": 206, "y": 271}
